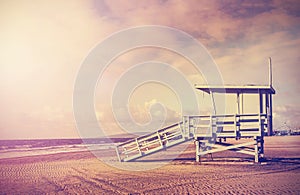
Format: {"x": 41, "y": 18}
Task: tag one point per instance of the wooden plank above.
{"x": 248, "y": 134}
{"x": 248, "y": 120}
{"x": 220, "y": 148}
{"x": 250, "y": 129}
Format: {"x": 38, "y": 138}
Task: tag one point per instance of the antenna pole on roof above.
{"x": 270, "y": 72}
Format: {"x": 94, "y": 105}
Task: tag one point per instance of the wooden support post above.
{"x": 193, "y": 124}
{"x": 269, "y": 113}
{"x": 213, "y": 102}
{"x": 211, "y": 126}
{"x": 188, "y": 126}
{"x": 270, "y": 130}
{"x": 262, "y": 151}
{"x": 242, "y": 102}
{"x": 238, "y": 103}
{"x": 184, "y": 125}
{"x": 260, "y": 103}
{"x": 197, "y": 150}
{"x": 261, "y": 139}
{"x": 236, "y": 127}
{"x": 256, "y": 155}
{"x": 267, "y": 104}
{"x": 270, "y": 117}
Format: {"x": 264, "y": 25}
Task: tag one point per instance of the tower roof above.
{"x": 251, "y": 89}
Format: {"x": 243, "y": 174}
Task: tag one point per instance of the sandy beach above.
{"x": 83, "y": 173}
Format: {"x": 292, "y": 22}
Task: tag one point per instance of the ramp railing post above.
{"x": 118, "y": 154}
{"x": 138, "y": 146}
{"x": 159, "y": 139}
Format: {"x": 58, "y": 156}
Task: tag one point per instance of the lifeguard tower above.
{"x": 210, "y": 131}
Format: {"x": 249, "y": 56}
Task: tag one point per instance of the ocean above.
{"x": 20, "y": 148}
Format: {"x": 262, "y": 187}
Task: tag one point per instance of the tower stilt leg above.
{"x": 256, "y": 151}
{"x": 197, "y": 151}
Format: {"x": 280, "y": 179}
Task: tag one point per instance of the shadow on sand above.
{"x": 221, "y": 160}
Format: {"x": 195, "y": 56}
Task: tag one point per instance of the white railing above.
{"x": 213, "y": 126}
{"x": 227, "y": 126}
{"x": 153, "y": 142}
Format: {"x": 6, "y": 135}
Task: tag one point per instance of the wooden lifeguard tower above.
{"x": 210, "y": 131}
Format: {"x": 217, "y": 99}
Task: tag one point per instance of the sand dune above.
{"x": 82, "y": 173}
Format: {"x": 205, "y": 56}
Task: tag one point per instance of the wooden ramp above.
{"x": 153, "y": 142}
{"x": 205, "y": 131}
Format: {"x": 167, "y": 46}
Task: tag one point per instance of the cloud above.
{"x": 44, "y": 43}
{"x": 246, "y": 9}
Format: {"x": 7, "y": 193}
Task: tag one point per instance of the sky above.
{"x": 44, "y": 43}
